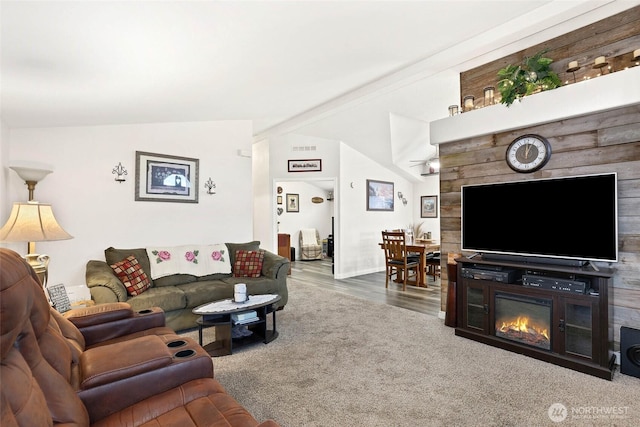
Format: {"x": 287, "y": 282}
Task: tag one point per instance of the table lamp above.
{"x": 33, "y": 222}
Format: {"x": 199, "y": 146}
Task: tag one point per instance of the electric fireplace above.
{"x": 525, "y": 320}
{"x": 564, "y": 325}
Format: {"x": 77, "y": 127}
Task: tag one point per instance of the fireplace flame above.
{"x": 522, "y": 324}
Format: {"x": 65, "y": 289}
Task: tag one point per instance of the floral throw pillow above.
{"x": 248, "y": 263}
{"x": 132, "y": 275}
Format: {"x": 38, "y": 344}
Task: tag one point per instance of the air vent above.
{"x": 299, "y": 148}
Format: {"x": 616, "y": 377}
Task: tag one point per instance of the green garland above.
{"x": 533, "y": 75}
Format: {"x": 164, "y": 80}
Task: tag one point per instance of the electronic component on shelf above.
{"x": 502, "y": 276}
{"x": 564, "y": 285}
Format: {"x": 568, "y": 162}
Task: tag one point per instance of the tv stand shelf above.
{"x": 577, "y": 323}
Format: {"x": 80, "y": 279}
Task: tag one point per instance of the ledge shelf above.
{"x": 602, "y": 93}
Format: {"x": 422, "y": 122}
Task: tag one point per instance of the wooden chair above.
{"x": 396, "y": 258}
{"x": 432, "y": 263}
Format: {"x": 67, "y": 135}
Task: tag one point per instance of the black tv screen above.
{"x": 574, "y": 218}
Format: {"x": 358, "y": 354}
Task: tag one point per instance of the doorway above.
{"x": 307, "y": 204}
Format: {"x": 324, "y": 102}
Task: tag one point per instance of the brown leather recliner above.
{"x": 52, "y": 374}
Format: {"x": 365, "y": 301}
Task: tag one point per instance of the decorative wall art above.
{"x": 279, "y": 200}
{"x": 293, "y": 203}
{"x": 313, "y": 165}
{"x": 162, "y": 178}
{"x": 380, "y": 195}
{"x": 429, "y": 206}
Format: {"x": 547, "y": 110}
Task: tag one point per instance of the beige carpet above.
{"x": 343, "y": 361}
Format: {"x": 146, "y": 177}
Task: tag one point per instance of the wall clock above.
{"x": 528, "y": 153}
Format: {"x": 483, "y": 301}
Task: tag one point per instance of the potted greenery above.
{"x": 533, "y": 75}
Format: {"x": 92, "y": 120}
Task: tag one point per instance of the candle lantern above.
{"x": 467, "y": 101}
{"x": 488, "y": 95}
{"x": 453, "y": 110}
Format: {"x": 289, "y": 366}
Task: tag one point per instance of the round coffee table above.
{"x": 221, "y": 315}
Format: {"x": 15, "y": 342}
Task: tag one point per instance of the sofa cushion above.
{"x": 233, "y": 247}
{"x": 248, "y": 263}
{"x": 202, "y": 292}
{"x": 255, "y": 285}
{"x": 174, "y": 279}
{"x": 167, "y": 297}
{"x": 131, "y": 275}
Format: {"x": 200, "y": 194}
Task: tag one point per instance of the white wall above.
{"x": 100, "y": 212}
{"x": 4, "y": 172}
{"x": 359, "y": 231}
{"x": 429, "y": 187}
{"x": 311, "y": 215}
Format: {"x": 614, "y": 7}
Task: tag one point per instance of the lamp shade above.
{"x": 30, "y": 174}
{"x": 32, "y": 222}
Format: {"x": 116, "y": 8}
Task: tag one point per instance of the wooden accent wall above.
{"x": 615, "y": 38}
{"x": 596, "y": 143}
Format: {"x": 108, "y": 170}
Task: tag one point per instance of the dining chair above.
{"x": 397, "y": 260}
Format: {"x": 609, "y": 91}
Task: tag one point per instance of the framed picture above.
{"x": 313, "y": 165}
{"x": 379, "y": 195}
{"x": 293, "y": 203}
{"x": 162, "y": 178}
{"x": 429, "y": 206}
{"x": 279, "y": 200}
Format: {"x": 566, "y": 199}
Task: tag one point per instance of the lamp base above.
{"x": 40, "y": 264}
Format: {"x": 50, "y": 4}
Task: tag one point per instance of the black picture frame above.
{"x": 293, "y": 202}
{"x": 429, "y": 207}
{"x": 304, "y": 165}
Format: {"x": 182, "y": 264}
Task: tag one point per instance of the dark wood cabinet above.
{"x": 284, "y": 247}
{"x": 567, "y": 327}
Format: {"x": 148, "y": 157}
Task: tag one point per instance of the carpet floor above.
{"x": 343, "y": 361}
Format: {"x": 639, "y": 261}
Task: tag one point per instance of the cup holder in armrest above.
{"x": 185, "y": 353}
{"x": 145, "y": 311}
{"x": 176, "y": 343}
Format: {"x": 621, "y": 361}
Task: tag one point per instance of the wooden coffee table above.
{"x": 219, "y": 314}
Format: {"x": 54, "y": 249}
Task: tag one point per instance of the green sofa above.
{"x": 179, "y": 294}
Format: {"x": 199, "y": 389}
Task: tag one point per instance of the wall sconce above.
{"x": 467, "y": 101}
{"x": 210, "y": 185}
{"x": 401, "y": 197}
{"x": 453, "y": 110}
{"x": 488, "y": 95}
{"x": 120, "y": 172}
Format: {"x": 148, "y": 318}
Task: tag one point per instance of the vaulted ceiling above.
{"x": 369, "y": 73}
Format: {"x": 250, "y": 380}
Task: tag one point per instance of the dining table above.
{"x": 422, "y": 247}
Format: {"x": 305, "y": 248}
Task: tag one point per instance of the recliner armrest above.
{"x": 97, "y": 314}
{"x": 123, "y": 360}
{"x": 104, "y": 322}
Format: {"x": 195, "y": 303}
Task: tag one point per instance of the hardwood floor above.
{"x": 368, "y": 286}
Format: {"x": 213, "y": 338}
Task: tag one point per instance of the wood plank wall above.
{"x": 597, "y": 143}
{"x": 615, "y": 38}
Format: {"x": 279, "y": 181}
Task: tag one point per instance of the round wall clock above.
{"x": 528, "y": 153}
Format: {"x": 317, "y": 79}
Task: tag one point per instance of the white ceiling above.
{"x": 356, "y": 71}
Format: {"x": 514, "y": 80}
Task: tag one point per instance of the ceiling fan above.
{"x": 430, "y": 166}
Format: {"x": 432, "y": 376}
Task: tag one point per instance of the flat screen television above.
{"x": 572, "y": 219}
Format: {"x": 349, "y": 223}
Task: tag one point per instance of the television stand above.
{"x": 563, "y": 324}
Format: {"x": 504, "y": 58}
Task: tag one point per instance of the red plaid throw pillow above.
{"x": 248, "y": 263}
{"x": 131, "y": 275}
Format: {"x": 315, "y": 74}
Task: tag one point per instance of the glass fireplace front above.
{"x": 525, "y": 320}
